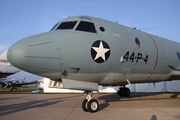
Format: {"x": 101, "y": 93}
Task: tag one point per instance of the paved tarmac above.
{"x": 144, "y": 106}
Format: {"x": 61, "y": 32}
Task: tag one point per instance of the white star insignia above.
{"x": 100, "y": 51}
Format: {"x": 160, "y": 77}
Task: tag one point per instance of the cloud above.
{"x": 129, "y": 21}
{"x": 59, "y": 15}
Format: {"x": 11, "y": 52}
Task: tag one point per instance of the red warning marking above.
{"x": 156, "y": 57}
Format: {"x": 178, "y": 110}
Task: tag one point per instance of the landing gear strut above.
{"x": 89, "y": 104}
{"x": 123, "y": 92}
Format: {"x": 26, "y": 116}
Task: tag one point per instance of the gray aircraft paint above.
{"x": 66, "y": 54}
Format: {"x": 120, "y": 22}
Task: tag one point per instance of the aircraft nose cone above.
{"x": 36, "y": 54}
{"x": 16, "y": 53}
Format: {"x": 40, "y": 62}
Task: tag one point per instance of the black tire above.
{"x": 127, "y": 92}
{"x": 118, "y": 92}
{"x": 84, "y": 105}
{"x": 122, "y": 92}
{"x": 93, "y": 105}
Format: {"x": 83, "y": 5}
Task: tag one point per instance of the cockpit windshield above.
{"x": 86, "y": 27}
{"x": 83, "y": 26}
{"x": 67, "y": 25}
{"x": 54, "y": 26}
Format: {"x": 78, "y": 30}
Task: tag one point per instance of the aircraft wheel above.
{"x": 93, "y": 105}
{"x": 127, "y": 92}
{"x": 122, "y": 92}
{"x": 84, "y": 105}
{"x": 118, "y": 92}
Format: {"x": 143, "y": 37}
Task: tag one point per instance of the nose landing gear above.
{"x": 90, "y": 104}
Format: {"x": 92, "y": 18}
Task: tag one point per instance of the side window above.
{"x": 86, "y": 27}
{"x": 67, "y": 25}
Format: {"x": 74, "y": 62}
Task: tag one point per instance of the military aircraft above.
{"x": 6, "y": 68}
{"x": 13, "y": 85}
{"x": 83, "y": 52}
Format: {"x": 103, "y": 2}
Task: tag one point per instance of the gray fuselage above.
{"x": 108, "y": 55}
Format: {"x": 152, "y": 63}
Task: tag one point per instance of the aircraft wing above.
{"x": 24, "y": 83}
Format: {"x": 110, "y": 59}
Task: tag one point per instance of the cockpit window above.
{"x": 67, "y": 25}
{"x": 87, "y": 27}
{"x": 54, "y": 26}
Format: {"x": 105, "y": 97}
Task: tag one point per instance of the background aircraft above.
{"x": 84, "y": 52}
{"x": 6, "y": 68}
{"x": 13, "y": 85}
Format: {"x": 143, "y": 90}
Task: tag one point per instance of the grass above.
{"x": 19, "y": 90}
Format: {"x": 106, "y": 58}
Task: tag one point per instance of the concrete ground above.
{"x": 144, "y": 106}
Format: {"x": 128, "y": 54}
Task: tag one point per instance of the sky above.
{"x": 23, "y": 18}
